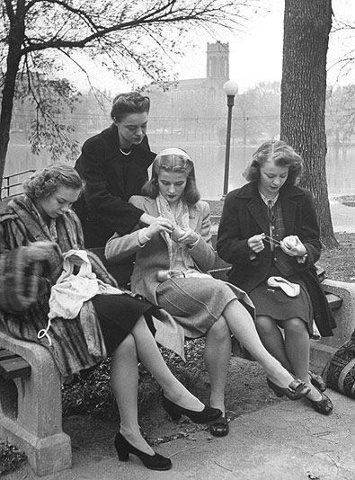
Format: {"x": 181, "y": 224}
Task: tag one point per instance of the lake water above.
{"x": 209, "y": 158}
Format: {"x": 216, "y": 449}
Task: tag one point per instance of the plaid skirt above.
{"x": 195, "y": 303}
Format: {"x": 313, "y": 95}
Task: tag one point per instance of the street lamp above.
{"x": 230, "y": 89}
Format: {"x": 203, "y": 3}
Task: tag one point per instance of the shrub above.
{"x": 10, "y": 458}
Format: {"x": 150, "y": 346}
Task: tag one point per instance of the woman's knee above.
{"x": 219, "y": 330}
{"x": 264, "y": 324}
{"x": 295, "y": 325}
{"x": 127, "y": 348}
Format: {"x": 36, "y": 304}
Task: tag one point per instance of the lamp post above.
{"x": 230, "y": 89}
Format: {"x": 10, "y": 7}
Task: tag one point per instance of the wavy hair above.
{"x": 173, "y": 160}
{"x": 126, "y": 103}
{"x": 282, "y": 154}
{"x": 43, "y": 183}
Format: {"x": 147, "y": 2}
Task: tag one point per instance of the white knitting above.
{"x": 72, "y": 290}
{"x": 291, "y": 289}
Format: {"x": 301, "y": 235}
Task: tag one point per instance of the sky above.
{"x": 255, "y": 51}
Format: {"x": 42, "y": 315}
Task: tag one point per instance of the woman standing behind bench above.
{"x": 270, "y": 235}
{"x": 172, "y": 255}
{"x": 35, "y": 231}
{"x": 114, "y": 165}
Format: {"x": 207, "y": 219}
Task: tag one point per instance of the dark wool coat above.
{"x": 20, "y": 225}
{"x": 111, "y": 178}
{"x": 244, "y": 216}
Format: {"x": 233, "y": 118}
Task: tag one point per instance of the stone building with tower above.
{"x": 189, "y": 102}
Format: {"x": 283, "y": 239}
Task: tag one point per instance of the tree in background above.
{"x": 340, "y": 114}
{"x": 303, "y": 94}
{"x": 37, "y": 37}
{"x": 257, "y": 113}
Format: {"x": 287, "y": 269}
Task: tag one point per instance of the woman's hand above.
{"x": 159, "y": 225}
{"x": 293, "y": 246}
{"x": 39, "y": 251}
{"x": 147, "y": 219}
{"x": 256, "y": 243}
{"x": 188, "y": 237}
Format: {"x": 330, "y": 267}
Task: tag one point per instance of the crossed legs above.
{"x": 243, "y": 328}
{"x": 236, "y": 319}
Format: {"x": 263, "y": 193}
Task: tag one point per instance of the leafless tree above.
{"x": 37, "y": 35}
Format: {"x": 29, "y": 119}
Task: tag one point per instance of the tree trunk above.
{"x": 16, "y": 36}
{"x": 303, "y": 93}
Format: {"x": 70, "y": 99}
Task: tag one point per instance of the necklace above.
{"x": 125, "y": 153}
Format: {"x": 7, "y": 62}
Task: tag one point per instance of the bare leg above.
{"x": 298, "y": 351}
{"x": 272, "y": 339}
{"x": 242, "y": 326}
{"x": 124, "y": 381}
{"x": 217, "y": 354}
{"x": 124, "y": 384}
{"x": 149, "y": 354}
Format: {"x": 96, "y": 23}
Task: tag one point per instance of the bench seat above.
{"x": 12, "y": 365}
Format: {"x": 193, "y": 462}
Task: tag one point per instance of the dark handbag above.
{"x": 340, "y": 371}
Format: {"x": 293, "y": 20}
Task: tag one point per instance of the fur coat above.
{"x": 26, "y": 287}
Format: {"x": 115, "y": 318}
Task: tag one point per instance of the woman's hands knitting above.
{"x": 185, "y": 237}
{"x": 160, "y": 224}
{"x": 293, "y": 246}
{"x": 256, "y": 243}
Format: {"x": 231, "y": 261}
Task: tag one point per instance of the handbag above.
{"x": 340, "y": 370}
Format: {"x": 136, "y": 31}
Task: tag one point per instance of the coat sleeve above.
{"x": 120, "y": 247}
{"x": 232, "y": 245}
{"x": 115, "y": 212}
{"x": 203, "y": 252}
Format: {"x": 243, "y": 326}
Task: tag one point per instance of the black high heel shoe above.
{"x": 220, "y": 427}
{"x": 153, "y": 462}
{"x": 294, "y": 391}
{"x": 208, "y": 414}
{"x": 323, "y": 406}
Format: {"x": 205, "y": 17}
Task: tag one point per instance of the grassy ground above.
{"x": 89, "y": 394}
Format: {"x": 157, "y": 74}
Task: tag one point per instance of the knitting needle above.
{"x": 272, "y": 240}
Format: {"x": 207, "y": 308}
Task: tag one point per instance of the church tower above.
{"x": 218, "y": 62}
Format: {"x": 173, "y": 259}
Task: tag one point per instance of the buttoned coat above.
{"x": 244, "y": 216}
{"x": 110, "y": 180}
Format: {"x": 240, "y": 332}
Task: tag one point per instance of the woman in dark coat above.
{"x": 270, "y": 235}
{"x": 113, "y": 165}
{"x": 36, "y": 231}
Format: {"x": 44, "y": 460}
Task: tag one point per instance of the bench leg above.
{"x": 35, "y": 426}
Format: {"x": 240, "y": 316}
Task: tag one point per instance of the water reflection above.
{"x": 209, "y": 160}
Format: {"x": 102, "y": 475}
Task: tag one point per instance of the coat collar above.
{"x": 288, "y": 198}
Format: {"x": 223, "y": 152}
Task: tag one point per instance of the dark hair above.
{"x": 126, "y": 103}
{"x": 173, "y": 160}
{"x": 283, "y": 156}
{"x": 44, "y": 183}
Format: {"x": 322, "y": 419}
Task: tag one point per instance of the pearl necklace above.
{"x": 125, "y": 153}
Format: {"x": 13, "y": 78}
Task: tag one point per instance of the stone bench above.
{"x": 31, "y": 405}
{"x": 30, "y": 384}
